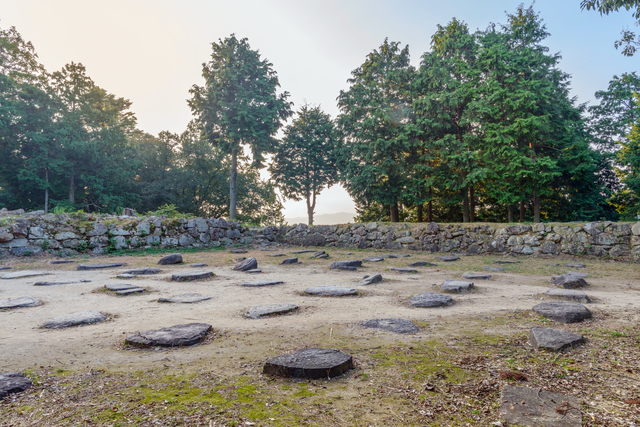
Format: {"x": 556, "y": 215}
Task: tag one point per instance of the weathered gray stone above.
{"x": 101, "y": 265}
{"x": 64, "y": 261}
{"x": 261, "y": 283}
{"x": 568, "y": 281}
{"x": 336, "y": 265}
{"x": 399, "y": 326}
{"x": 289, "y": 261}
{"x": 476, "y": 276}
{"x": 190, "y": 276}
{"x": 319, "y": 255}
{"x": 270, "y": 309}
{"x": 75, "y": 319}
{"x": 373, "y": 259}
{"x": 238, "y": 251}
{"x": 456, "y": 286}
{"x": 173, "y": 336}
{"x": 61, "y": 282}
{"x": 406, "y": 240}
{"x": 406, "y": 270}
{"x": 534, "y": 407}
{"x": 553, "y": 339}
{"x": 548, "y": 247}
{"x": 143, "y": 271}
{"x": 98, "y": 230}
{"x": 15, "y": 243}
{"x": 19, "y": 302}
{"x": 304, "y": 251}
{"x": 376, "y": 278}
{"x": 496, "y": 269}
{"x": 248, "y": 264}
{"x": 575, "y": 265}
{"x": 13, "y": 382}
{"x": 429, "y": 299}
{"x": 505, "y": 262}
{"x": 422, "y": 264}
{"x": 22, "y": 274}
{"x": 170, "y": 259}
{"x": 184, "y": 298}
{"x": 5, "y": 268}
{"x": 309, "y": 363}
{"x": 331, "y": 291}
{"x": 253, "y": 271}
{"x": 202, "y": 264}
{"x": 275, "y": 255}
{"x": 65, "y": 235}
{"x": 125, "y": 276}
{"x": 119, "y": 286}
{"x": 447, "y": 258}
{"x": 131, "y": 291}
{"x": 569, "y": 295}
{"x": 563, "y": 311}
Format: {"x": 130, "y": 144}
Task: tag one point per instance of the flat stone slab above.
{"x": 575, "y": 265}
{"x": 336, "y": 265}
{"x": 275, "y": 255}
{"x": 119, "y": 286}
{"x": 347, "y": 268}
{"x": 19, "y": 302}
{"x": 496, "y": 269}
{"x": 568, "y": 281}
{"x": 5, "y": 268}
{"x": 13, "y": 382}
{"x": 185, "y": 299}
{"x": 553, "y": 339}
{"x": 190, "y": 276}
{"x": 143, "y": 270}
{"x": 502, "y": 261}
{"x": 376, "y": 278}
{"x": 422, "y": 264}
{"x": 173, "y": 336}
{"x": 126, "y": 276}
{"x": 248, "y": 264}
{"x": 319, "y": 254}
{"x": 373, "y": 259}
{"x": 310, "y": 363}
{"x": 289, "y": 261}
{"x": 268, "y": 310}
{"x": 429, "y": 299}
{"x": 535, "y": 407}
{"x": 569, "y": 295}
{"x": 254, "y": 271}
{"x": 261, "y": 283}
{"x": 563, "y": 311}
{"x": 75, "y": 319}
{"x": 202, "y": 264}
{"x": 304, "y": 251}
{"x": 476, "y": 276}
{"x": 331, "y": 291}
{"x": 131, "y": 291}
{"x": 403, "y": 269}
{"x": 66, "y": 261}
{"x": 238, "y": 251}
{"x": 61, "y": 282}
{"x": 447, "y": 258}
{"x": 456, "y": 286}
{"x": 170, "y": 259}
{"x": 399, "y": 326}
{"x": 396, "y": 256}
{"x": 101, "y": 265}
{"x": 22, "y": 274}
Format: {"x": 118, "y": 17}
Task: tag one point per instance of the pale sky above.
{"x": 151, "y": 51}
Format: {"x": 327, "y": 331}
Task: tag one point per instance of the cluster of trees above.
{"x": 483, "y": 129}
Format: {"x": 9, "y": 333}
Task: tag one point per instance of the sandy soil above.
{"x": 615, "y": 288}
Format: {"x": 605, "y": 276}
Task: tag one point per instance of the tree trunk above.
{"x": 536, "y": 208}
{"x": 395, "y": 215}
{"x": 311, "y": 207}
{"x": 465, "y": 206}
{"x": 510, "y": 214}
{"x": 72, "y": 186}
{"x": 430, "y": 212}
{"x": 420, "y": 213}
{"x": 46, "y": 191}
{"x": 522, "y": 211}
{"x": 232, "y": 184}
{"x": 472, "y": 205}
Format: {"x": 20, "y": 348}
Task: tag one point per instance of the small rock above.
{"x": 496, "y": 269}
{"x": 373, "y": 259}
{"x": 184, "y": 299}
{"x": 61, "y": 282}
{"x": 399, "y": 326}
{"x": 456, "y": 286}
{"x": 339, "y": 264}
{"x": 569, "y": 295}
{"x": 331, "y": 290}
{"x": 247, "y": 264}
{"x": 376, "y": 278}
{"x": 170, "y": 259}
{"x": 126, "y": 276}
{"x": 131, "y": 291}
{"x": 403, "y": 270}
{"x": 289, "y": 261}
{"x": 271, "y": 309}
{"x": 173, "y": 336}
{"x": 275, "y": 255}
{"x": 19, "y": 302}
{"x": 143, "y": 270}
{"x": 347, "y": 268}
{"x": 568, "y": 281}
{"x": 253, "y": 271}
{"x": 13, "y": 382}
{"x": 476, "y": 276}
{"x": 261, "y": 283}
{"x": 506, "y": 262}
{"x": 238, "y": 251}
{"x": 309, "y": 363}
{"x": 390, "y": 256}
{"x": 422, "y": 264}
{"x": 5, "y": 268}
{"x": 553, "y": 339}
{"x": 563, "y": 311}
{"x": 447, "y": 258}
{"x": 535, "y": 407}
{"x": 188, "y": 277}
{"x": 575, "y": 265}
{"x": 202, "y": 264}
{"x": 75, "y": 319}
{"x": 100, "y": 266}
{"x": 429, "y": 299}
{"x": 23, "y": 274}
{"x": 319, "y": 255}
{"x": 119, "y": 286}
{"x": 62, "y": 262}
{"x": 304, "y": 251}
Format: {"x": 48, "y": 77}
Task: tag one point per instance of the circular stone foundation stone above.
{"x": 569, "y": 295}
{"x": 143, "y": 270}
{"x": 185, "y": 299}
{"x": 553, "y": 339}
{"x": 75, "y": 319}
{"x": 100, "y": 266}
{"x": 399, "y": 326}
{"x": 22, "y": 274}
{"x": 19, "y": 302}
{"x": 563, "y": 311}
{"x": 447, "y": 258}
{"x": 261, "y": 283}
{"x": 476, "y": 276}
{"x": 188, "y": 277}
{"x": 310, "y": 363}
{"x": 404, "y": 270}
{"x": 173, "y": 336}
{"x": 429, "y": 299}
{"x": 331, "y": 291}
{"x": 456, "y": 286}
{"x": 266, "y": 310}
{"x": 119, "y": 286}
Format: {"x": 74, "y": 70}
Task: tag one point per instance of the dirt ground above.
{"x": 499, "y": 308}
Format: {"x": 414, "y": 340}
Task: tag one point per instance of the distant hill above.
{"x": 324, "y": 219}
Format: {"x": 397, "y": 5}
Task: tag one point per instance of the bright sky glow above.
{"x": 151, "y": 51}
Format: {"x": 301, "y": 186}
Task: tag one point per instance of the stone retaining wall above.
{"x": 74, "y": 233}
